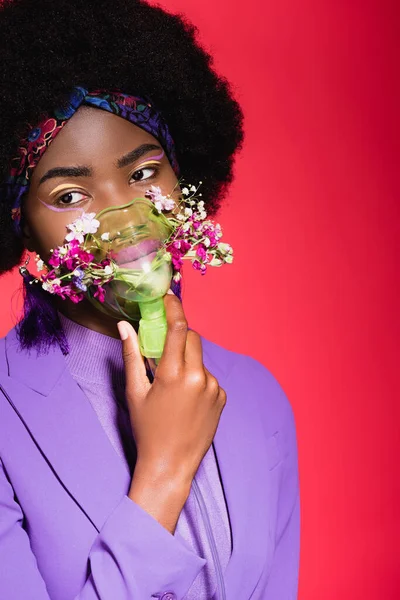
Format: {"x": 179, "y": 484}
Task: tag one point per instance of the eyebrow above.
{"x": 85, "y": 171}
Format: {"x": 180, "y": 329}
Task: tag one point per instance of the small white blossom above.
{"x": 186, "y": 226}
{"x": 48, "y": 286}
{"x": 193, "y": 188}
{"x": 160, "y": 201}
{"x": 82, "y": 226}
{"x": 105, "y": 236}
{"x": 181, "y": 217}
{"x": 39, "y": 264}
{"x": 206, "y": 242}
{"x": 177, "y": 276}
{"x": 188, "y": 212}
{"x": 108, "y": 270}
{"x": 224, "y": 248}
{"x": 185, "y": 191}
{"x": 200, "y": 205}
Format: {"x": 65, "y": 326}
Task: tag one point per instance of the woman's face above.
{"x": 97, "y": 160}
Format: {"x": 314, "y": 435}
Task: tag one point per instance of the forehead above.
{"x": 92, "y": 136}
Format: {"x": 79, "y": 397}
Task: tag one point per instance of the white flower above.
{"x": 186, "y": 226}
{"x": 48, "y": 285}
{"x": 202, "y": 215}
{"x": 193, "y": 188}
{"x": 206, "y": 242}
{"x": 108, "y": 270}
{"x": 81, "y": 226}
{"x": 169, "y": 204}
{"x": 224, "y": 248}
{"x": 39, "y": 264}
{"x": 188, "y": 212}
{"x": 164, "y": 203}
{"x": 177, "y": 276}
{"x": 185, "y": 191}
{"x": 62, "y": 250}
{"x": 215, "y": 262}
{"x": 200, "y": 205}
{"x": 160, "y": 201}
{"x": 181, "y": 217}
{"x": 105, "y": 236}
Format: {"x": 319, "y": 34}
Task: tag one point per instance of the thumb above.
{"x": 137, "y": 382}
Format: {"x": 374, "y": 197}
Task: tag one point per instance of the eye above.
{"x": 143, "y": 174}
{"x": 68, "y": 198}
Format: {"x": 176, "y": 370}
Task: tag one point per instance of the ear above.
{"x": 27, "y": 237}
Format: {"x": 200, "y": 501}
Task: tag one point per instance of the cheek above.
{"x": 48, "y": 229}
{"x": 169, "y": 182}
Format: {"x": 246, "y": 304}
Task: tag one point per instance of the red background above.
{"x": 314, "y": 221}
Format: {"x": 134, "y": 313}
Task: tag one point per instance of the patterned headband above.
{"x": 135, "y": 109}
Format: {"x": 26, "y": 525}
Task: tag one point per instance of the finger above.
{"x": 137, "y": 381}
{"x": 175, "y": 342}
{"x": 193, "y": 350}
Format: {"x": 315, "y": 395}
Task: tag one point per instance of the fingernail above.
{"x": 170, "y": 292}
{"x": 123, "y": 330}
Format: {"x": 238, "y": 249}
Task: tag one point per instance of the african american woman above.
{"x": 119, "y": 481}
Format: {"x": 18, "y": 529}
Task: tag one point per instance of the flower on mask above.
{"x": 160, "y": 201}
{"x": 85, "y": 224}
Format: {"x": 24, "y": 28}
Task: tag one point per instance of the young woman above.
{"x": 115, "y": 486}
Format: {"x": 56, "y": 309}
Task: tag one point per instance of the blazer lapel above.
{"x": 65, "y": 427}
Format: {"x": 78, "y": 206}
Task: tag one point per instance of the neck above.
{"x": 84, "y": 313}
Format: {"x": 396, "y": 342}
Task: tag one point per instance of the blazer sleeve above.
{"x": 133, "y": 556}
{"x": 281, "y": 580}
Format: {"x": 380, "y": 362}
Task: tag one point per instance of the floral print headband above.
{"x": 137, "y": 110}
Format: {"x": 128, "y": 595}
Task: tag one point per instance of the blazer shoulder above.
{"x": 255, "y": 382}
{"x": 3, "y": 353}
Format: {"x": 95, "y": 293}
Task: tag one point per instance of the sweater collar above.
{"x": 93, "y": 357}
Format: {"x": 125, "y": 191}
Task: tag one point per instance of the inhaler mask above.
{"x": 133, "y": 236}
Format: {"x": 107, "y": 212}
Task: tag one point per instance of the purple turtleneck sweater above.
{"x": 95, "y": 362}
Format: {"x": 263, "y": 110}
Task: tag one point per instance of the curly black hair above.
{"x": 49, "y": 46}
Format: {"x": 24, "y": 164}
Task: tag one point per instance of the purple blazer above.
{"x": 68, "y": 530}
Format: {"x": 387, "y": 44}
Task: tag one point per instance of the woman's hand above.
{"x": 175, "y": 418}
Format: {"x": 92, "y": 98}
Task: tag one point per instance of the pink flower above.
{"x": 100, "y": 294}
{"x": 199, "y": 267}
{"x": 201, "y": 253}
{"x": 160, "y": 201}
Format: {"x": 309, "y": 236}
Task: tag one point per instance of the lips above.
{"x": 134, "y": 257}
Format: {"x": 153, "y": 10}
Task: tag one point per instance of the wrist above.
{"x": 161, "y": 479}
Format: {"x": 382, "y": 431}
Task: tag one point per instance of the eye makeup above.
{"x": 150, "y": 158}
{"x": 67, "y": 208}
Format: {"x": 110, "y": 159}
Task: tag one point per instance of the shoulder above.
{"x": 3, "y": 351}
{"x": 251, "y": 383}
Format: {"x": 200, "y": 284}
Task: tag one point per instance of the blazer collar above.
{"x": 61, "y": 420}
{"x": 40, "y": 372}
